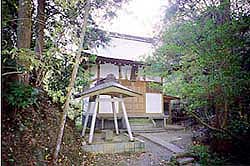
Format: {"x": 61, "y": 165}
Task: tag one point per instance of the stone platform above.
{"x": 119, "y": 144}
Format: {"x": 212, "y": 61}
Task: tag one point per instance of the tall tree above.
{"x": 40, "y": 26}
{"x": 24, "y": 30}
{"x": 203, "y": 63}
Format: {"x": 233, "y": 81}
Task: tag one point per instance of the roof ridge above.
{"x": 131, "y": 37}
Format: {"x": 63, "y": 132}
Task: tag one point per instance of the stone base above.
{"x": 116, "y": 147}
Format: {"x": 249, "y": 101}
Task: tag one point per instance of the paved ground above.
{"x": 175, "y": 141}
{"x": 156, "y": 154}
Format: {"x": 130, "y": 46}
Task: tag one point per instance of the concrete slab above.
{"x": 119, "y": 144}
{"x": 115, "y": 147}
{"x": 163, "y": 143}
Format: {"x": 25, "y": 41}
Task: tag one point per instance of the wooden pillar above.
{"x": 120, "y": 71}
{"x": 164, "y": 122}
{"x": 115, "y": 117}
{"x": 170, "y": 113}
{"x": 98, "y": 71}
{"x": 102, "y": 123}
{"x": 92, "y": 128}
{"x": 126, "y": 121}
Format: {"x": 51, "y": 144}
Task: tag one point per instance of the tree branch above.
{"x": 219, "y": 130}
{"x": 12, "y": 72}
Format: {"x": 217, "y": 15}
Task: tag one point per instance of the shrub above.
{"x": 205, "y": 157}
{"x": 21, "y": 96}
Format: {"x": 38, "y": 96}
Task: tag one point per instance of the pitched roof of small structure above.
{"x": 109, "y": 88}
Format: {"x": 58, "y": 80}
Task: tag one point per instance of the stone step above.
{"x": 149, "y": 131}
{"x": 185, "y": 160}
{"x": 174, "y": 127}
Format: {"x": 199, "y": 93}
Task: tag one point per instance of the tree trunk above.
{"x": 24, "y": 31}
{"x": 224, "y": 15}
{"x": 71, "y": 84}
{"x": 40, "y": 25}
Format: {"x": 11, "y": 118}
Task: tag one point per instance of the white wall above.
{"x": 154, "y": 103}
{"x": 126, "y": 71}
{"x": 124, "y": 49}
{"x": 109, "y": 68}
{"x": 104, "y": 107}
{"x": 140, "y": 76}
{"x": 155, "y": 79}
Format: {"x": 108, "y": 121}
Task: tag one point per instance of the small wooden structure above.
{"x": 108, "y": 86}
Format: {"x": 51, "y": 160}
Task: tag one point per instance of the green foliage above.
{"x": 204, "y": 156}
{"x": 21, "y": 96}
{"x": 203, "y": 62}
{"x": 58, "y": 77}
{"x": 24, "y": 59}
{"x": 239, "y": 126}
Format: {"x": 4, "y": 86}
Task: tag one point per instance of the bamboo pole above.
{"x": 71, "y": 84}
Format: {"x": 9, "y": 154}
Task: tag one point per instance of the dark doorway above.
{"x": 166, "y": 108}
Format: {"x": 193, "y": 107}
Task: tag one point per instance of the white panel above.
{"x": 105, "y": 107}
{"x": 93, "y": 71}
{"x": 109, "y": 68}
{"x": 126, "y": 71}
{"x": 140, "y": 74}
{"x": 153, "y": 103}
{"x": 125, "y": 49}
{"x": 152, "y": 78}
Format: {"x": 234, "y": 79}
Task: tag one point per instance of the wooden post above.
{"x": 98, "y": 71}
{"x": 92, "y": 128}
{"x": 165, "y": 122}
{"x": 115, "y": 117}
{"x": 86, "y": 120}
{"x": 170, "y": 113}
{"x": 120, "y": 71}
{"x": 126, "y": 121}
{"x": 102, "y": 123}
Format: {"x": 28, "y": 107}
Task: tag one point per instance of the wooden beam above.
{"x": 102, "y": 123}
{"x": 92, "y": 128}
{"x": 115, "y": 117}
{"x": 98, "y": 71}
{"x": 109, "y": 100}
{"x": 170, "y": 113}
{"x": 126, "y": 121}
{"x": 164, "y": 122}
{"x": 120, "y": 72}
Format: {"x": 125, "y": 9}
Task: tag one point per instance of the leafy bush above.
{"x": 204, "y": 156}
{"x": 21, "y": 96}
